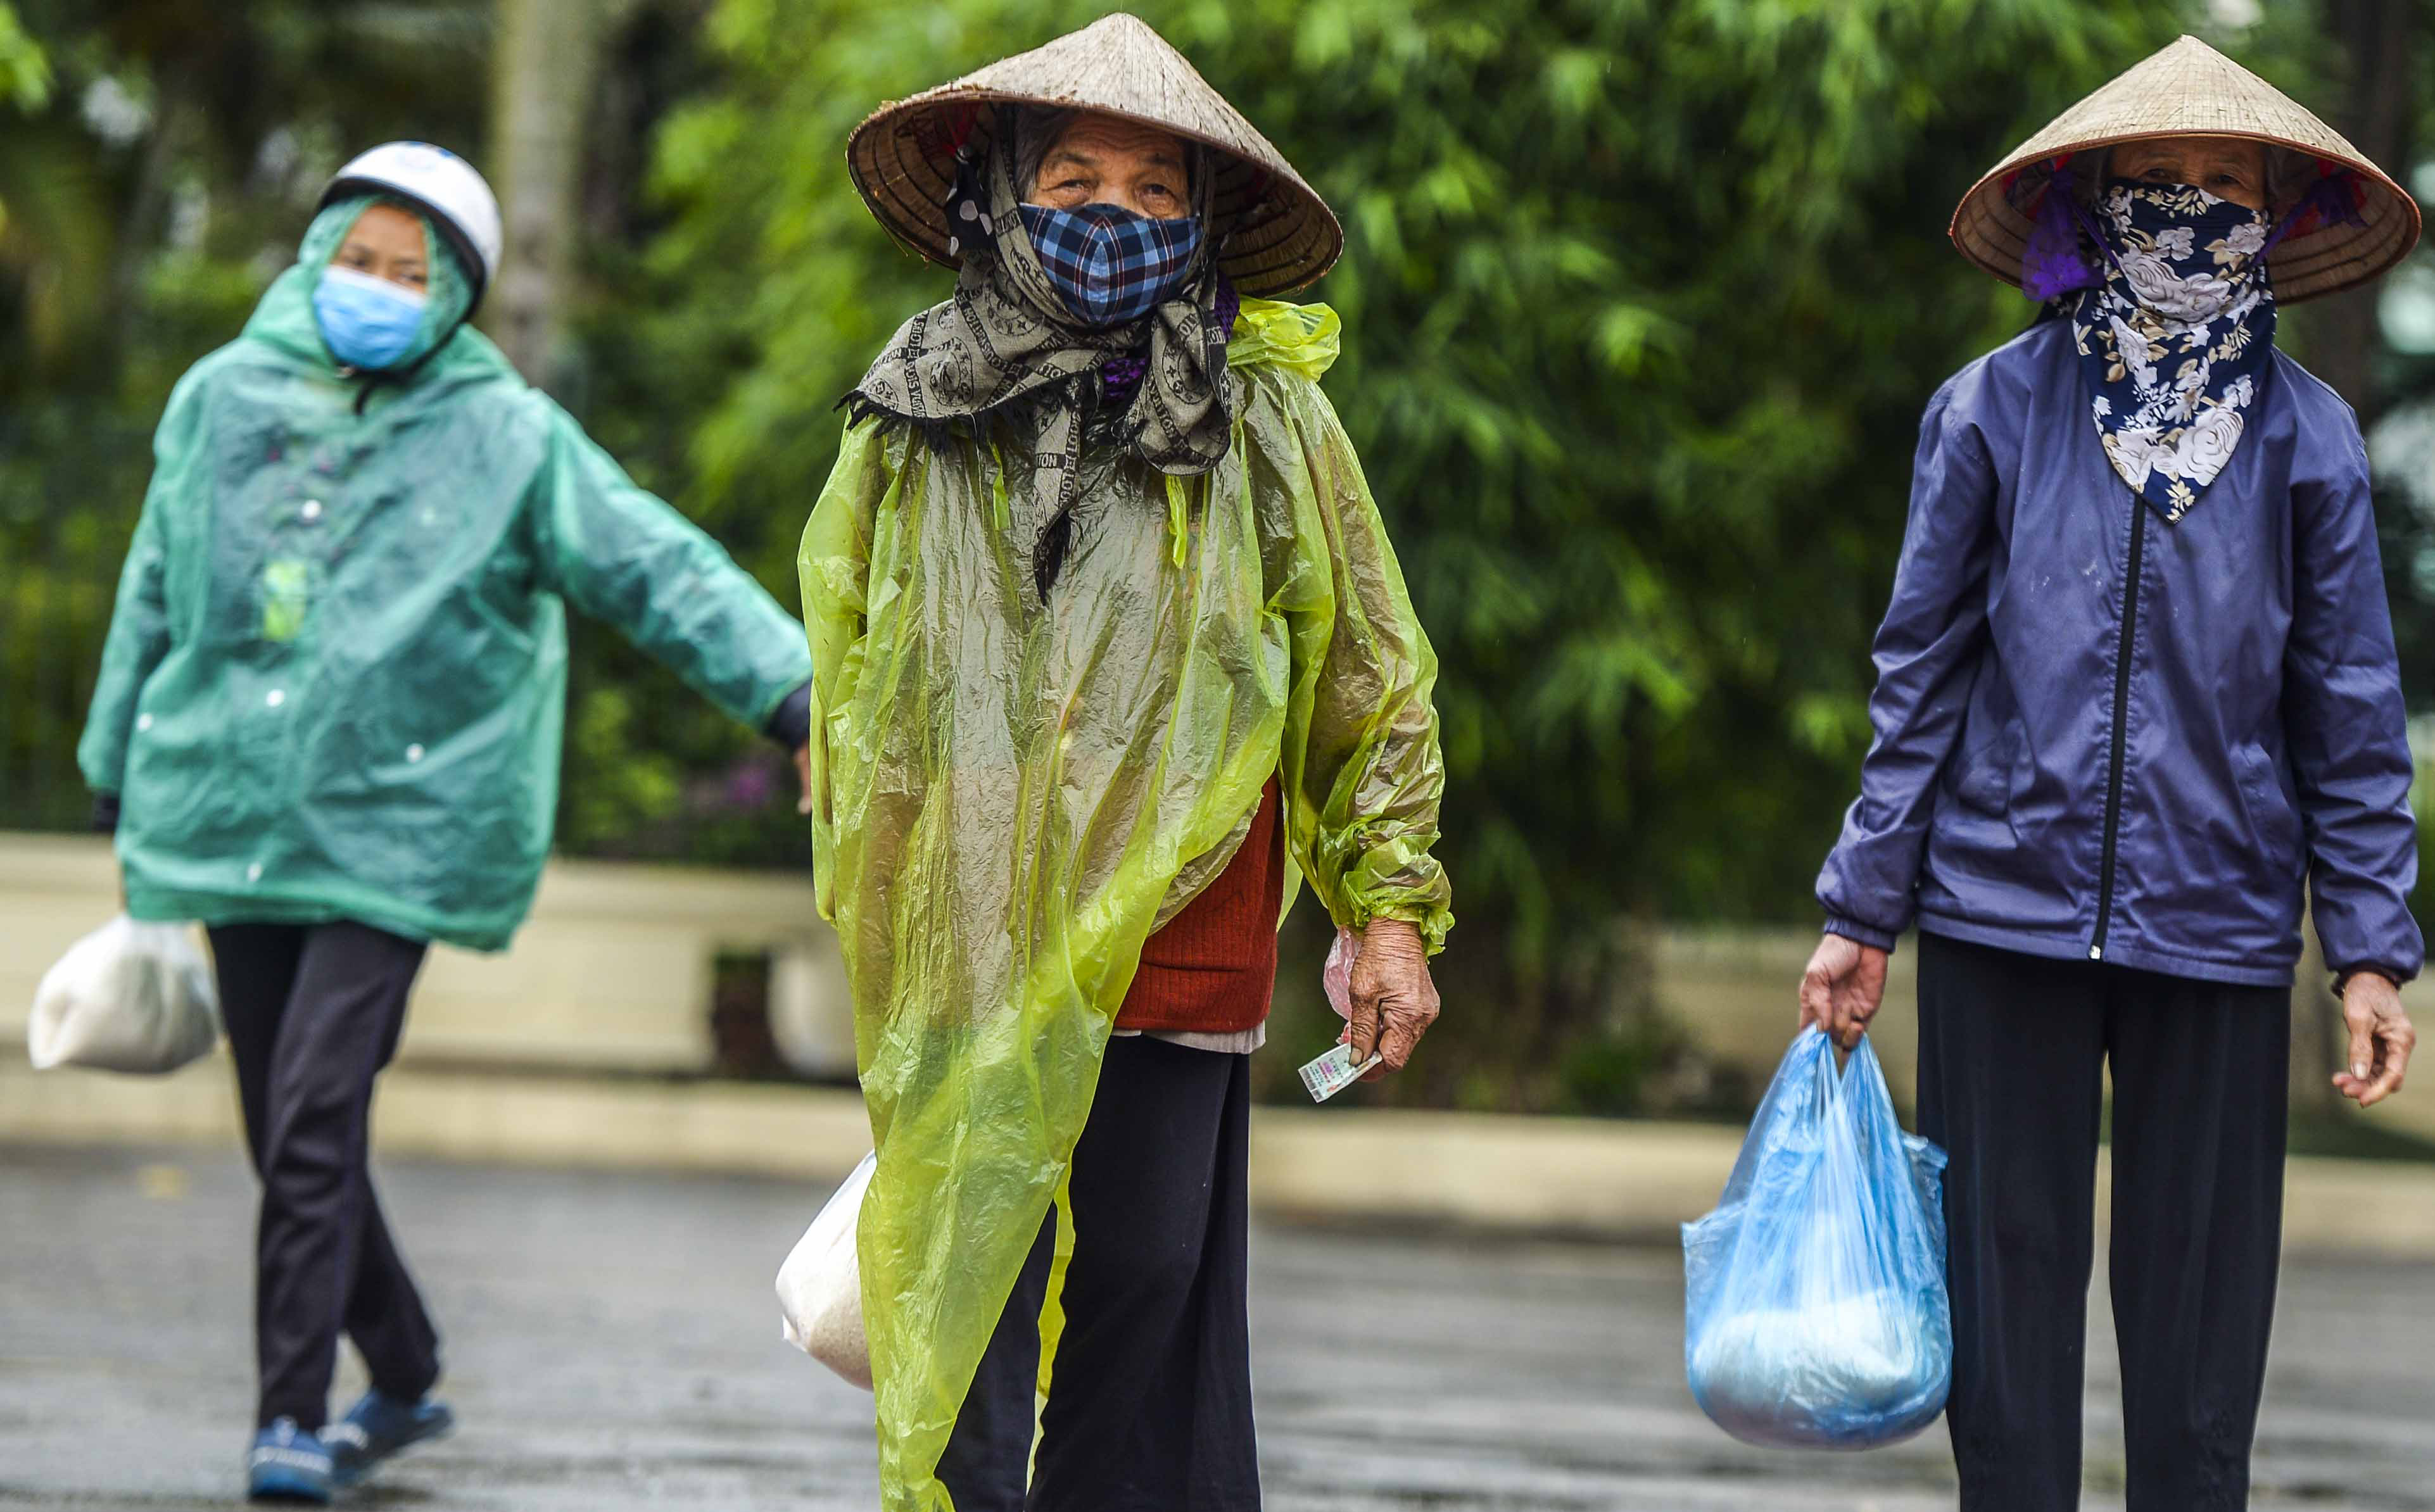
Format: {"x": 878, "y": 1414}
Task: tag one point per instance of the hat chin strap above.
{"x": 373, "y": 378}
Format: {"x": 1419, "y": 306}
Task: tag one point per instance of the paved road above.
{"x": 613, "y": 1345}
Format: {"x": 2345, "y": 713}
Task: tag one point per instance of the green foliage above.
{"x": 24, "y": 72}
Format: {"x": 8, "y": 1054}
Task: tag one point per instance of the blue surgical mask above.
{"x": 366, "y": 322}
{"x": 1111, "y": 264}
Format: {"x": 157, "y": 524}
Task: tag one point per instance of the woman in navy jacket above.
{"x": 2136, "y": 683}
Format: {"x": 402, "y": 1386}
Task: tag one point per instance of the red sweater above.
{"x": 1213, "y": 969}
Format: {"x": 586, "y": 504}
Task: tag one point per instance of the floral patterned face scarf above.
{"x": 2175, "y": 337}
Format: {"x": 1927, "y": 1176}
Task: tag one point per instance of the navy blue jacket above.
{"x": 2103, "y": 737}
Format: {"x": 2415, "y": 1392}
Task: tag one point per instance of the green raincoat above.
{"x": 337, "y": 672}
{"x": 1013, "y": 797}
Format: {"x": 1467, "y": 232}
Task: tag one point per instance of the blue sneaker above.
{"x": 379, "y": 1426}
{"x": 287, "y": 1465}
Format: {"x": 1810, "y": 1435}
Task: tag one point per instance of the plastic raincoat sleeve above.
{"x": 623, "y": 555}
{"x": 2346, "y": 730}
{"x": 1923, "y": 650}
{"x": 1365, "y": 776}
{"x": 138, "y": 625}
{"x": 835, "y": 568}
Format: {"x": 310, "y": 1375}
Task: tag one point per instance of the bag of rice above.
{"x": 820, "y": 1287}
{"x": 1815, "y": 1311}
{"x": 132, "y": 996}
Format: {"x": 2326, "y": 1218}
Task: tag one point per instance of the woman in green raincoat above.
{"x": 1110, "y": 652}
{"x": 327, "y": 720}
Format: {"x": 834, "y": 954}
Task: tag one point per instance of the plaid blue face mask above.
{"x": 1111, "y": 264}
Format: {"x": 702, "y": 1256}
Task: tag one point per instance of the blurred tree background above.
{"x": 1641, "y": 299}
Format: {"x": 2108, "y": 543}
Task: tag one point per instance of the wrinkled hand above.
{"x": 804, "y": 774}
{"x": 1842, "y": 989}
{"x": 2381, "y": 1040}
{"x": 1394, "y": 1000}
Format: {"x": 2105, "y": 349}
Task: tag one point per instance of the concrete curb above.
{"x": 1615, "y": 1181}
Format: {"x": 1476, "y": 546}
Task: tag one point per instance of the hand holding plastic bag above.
{"x": 1815, "y": 1311}
{"x": 131, "y": 996}
{"x": 820, "y": 1287}
{"x": 1335, "y": 977}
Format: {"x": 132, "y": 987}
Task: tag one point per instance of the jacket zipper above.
{"x": 2121, "y": 721}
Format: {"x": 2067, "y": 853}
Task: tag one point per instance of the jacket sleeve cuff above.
{"x": 790, "y": 723}
{"x": 2343, "y": 975}
{"x": 104, "y": 813}
{"x": 1851, "y": 929}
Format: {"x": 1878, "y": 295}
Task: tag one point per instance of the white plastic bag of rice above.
{"x": 820, "y": 1287}
{"x": 132, "y": 996}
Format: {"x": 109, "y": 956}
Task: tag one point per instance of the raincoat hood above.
{"x": 284, "y": 320}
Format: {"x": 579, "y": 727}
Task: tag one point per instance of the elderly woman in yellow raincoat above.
{"x": 1109, "y": 653}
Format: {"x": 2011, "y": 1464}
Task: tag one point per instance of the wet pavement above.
{"x": 612, "y": 1344}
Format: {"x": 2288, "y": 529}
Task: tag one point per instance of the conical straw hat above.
{"x": 903, "y": 157}
{"x": 2192, "y": 90}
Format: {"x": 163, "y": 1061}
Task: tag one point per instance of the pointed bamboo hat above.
{"x": 903, "y": 157}
{"x": 2192, "y": 90}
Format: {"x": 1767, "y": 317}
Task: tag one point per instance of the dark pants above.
{"x": 2012, "y": 1057}
{"x": 1149, "y": 1400}
{"x": 313, "y": 1014}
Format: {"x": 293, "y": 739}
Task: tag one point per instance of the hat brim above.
{"x": 1991, "y": 225}
{"x": 1280, "y": 236}
{"x": 2187, "y": 89}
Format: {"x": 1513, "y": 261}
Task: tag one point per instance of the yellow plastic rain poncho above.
{"x": 1012, "y": 796}
{"x": 336, "y": 673}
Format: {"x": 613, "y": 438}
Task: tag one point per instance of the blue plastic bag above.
{"x": 1816, "y": 1314}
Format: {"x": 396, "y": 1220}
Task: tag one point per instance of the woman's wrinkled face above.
{"x": 386, "y": 243}
{"x": 2228, "y": 168}
{"x": 1101, "y": 161}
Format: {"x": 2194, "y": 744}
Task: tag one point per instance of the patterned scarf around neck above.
{"x": 2175, "y": 336}
{"x": 1006, "y": 342}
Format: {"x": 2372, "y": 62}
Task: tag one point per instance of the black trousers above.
{"x": 2012, "y": 1057}
{"x": 1149, "y": 1399}
{"x": 313, "y": 1014}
